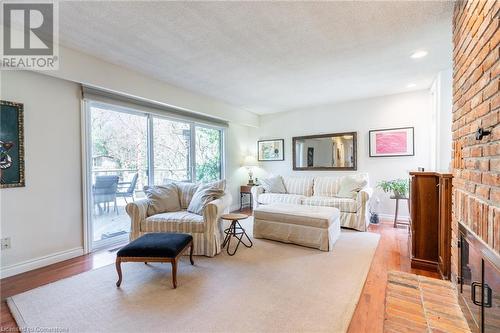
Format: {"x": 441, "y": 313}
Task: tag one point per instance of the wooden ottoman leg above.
{"x": 191, "y": 253}
{"x": 119, "y": 270}
{"x": 174, "y": 273}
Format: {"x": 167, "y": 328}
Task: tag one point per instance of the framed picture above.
{"x": 392, "y": 142}
{"x": 271, "y": 150}
{"x": 11, "y": 145}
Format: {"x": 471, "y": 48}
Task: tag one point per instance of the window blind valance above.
{"x": 109, "y": 97}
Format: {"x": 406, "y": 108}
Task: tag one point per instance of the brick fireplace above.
{"x": 475, "y": 254}
{"x": 476, "y": 104}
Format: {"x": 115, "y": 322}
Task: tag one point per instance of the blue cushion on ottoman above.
{"x": 156, "y": 245}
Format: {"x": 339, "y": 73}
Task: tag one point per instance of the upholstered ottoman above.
{"x": 155, "y": 247}
{"x": 312, "y": 226}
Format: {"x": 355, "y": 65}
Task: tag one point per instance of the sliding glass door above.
{"x": 171, "y": 150}
{"x": 129, "y": 149}
{"x": 118, "y": 170}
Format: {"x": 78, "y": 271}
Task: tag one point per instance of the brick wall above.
{"x": 476, "y": 101}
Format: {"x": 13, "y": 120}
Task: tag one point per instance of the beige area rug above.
{"x": 271, "y": 287}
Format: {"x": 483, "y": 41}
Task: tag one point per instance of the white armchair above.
{"x": 206, "y": 229}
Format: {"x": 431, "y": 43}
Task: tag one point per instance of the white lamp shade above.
{"x": 250, "y": 161}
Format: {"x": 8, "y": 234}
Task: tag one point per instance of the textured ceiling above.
{"x": 268, "y": 56}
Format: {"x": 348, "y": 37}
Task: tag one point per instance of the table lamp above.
{"x": 249, "y": 162}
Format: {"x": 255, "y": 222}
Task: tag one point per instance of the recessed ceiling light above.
{"x": 419, "y": 54}
{"x": 411, "y": 85}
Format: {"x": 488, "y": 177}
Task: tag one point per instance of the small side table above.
{"x": 397, "y": 209}
{"x": 235, "y": 230}
{"x": 245, "y": 190}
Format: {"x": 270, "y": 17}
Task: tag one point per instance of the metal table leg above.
{"x": 235, "y": 230}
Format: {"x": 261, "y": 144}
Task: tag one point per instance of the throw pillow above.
{"x": 162, "y": 199}
{"x": 186, "y": 191}
{"x": 273, "y": 184}
{"x": 350, "y": 186}
{"x": 205, "y": 194}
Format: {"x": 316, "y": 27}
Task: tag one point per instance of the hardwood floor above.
{"x": 391, "y": 254}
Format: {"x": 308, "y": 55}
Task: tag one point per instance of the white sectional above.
{"x": 322, "y": 191}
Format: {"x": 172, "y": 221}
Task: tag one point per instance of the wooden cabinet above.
{"x": 444, "y": 226}
{"x": 430, "y": 221}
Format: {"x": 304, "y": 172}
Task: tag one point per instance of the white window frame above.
{"x": 89, "y": 244}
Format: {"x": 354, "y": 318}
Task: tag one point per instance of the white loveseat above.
{"x": 321, "y": 191}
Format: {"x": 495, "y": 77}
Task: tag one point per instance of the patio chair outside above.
{"x": 126, "y": 189}
{"x": 104, "y": 192}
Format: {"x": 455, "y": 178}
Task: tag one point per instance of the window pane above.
{"x": 119, "y": 168}
{"x": 171, "y": 141}
{"x": 208, "y": 154}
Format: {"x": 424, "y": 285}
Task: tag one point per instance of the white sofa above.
{"x": 321, "y": 191}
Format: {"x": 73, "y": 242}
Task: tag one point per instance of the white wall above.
{"x": 444, "y": 103}
{"x": 45, "y": 218}
{"x": 401, "y": 110}
{"x": 237, "y": 143}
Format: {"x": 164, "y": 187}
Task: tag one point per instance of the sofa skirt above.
{"x": 318, "y": 238}
{"x": 353, "y": 221}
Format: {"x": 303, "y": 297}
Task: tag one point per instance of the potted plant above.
{"x": 399, "y": 187}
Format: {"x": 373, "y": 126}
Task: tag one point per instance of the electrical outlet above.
{"x": 5, "y": 243}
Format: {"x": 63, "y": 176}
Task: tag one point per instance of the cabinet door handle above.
{"x": 473, "y": 293}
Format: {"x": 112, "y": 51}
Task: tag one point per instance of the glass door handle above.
{"x": 473, "y": 293}
{"x": 487, "y": 295}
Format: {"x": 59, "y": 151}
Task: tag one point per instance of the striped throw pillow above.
{"x": 162, "y": 199}
{"x": 299, "y": 185}
{"x": 205, "y": 194}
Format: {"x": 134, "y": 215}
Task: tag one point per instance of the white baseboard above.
{"x": 32, "y": 264}
{"x": 391, "y": 217}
